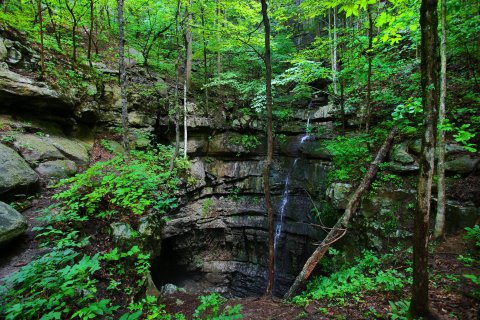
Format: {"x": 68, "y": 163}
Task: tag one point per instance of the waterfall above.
{"x": 283, "y": 204}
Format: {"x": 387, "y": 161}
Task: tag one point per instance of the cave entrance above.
{"x": 202, "y": 262}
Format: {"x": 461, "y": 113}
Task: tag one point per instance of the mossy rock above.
{"x": 15, "y": 173}
{"x": 12, "y": 223}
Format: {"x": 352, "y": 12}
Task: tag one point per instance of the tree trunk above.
{"x": 334, "y": 56}
{"x": 419, "y": 306}
{"x": 340, "y": 227}
{"x": 177, "y": 81}
{"x": 123, "y": 76}
{"x": 74, "y": 42}
{"x": 369, "y": 74}
{"x": 57, "y": 34}
{"x": 188, "y": 44}
{"x": 185, "y": 138}
{"x": 42, "y": 49}
{"x": 90, "y": 33}
{"x": 268, "y": 164}
{"x": 440, "y": 218}
{"x": 205, "y": 64}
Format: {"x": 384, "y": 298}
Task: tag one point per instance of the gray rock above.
{"x": 399, "y": 168}
{"x": 3, "y": 50}
{"x": 400, "y": 154}
{"x": 338, "y": 194}
{"x": 35, "y": 149}
{"x": 16, "y": 90}
{"x": 121, "y": 231}
{"x": 15, "y": 173}
{"x": 462, "y": 164}
{"x": 3, "y": 66}
{"x": 14, "y": 56}
{"x": 12, "y": 223}
{"x": 168, "y": 289}
{"x": 70, "y": 148}
{"x": 58, "y": 169}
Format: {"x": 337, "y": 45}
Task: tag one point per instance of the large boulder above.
{"x": 15, "y": 173}
{"x": 58, "y": 169}
{"x": 35, "y": 149}
{"x": 70, "y": 148}
{"x": 462, "y": 164}
{"x": 12, "y": 223}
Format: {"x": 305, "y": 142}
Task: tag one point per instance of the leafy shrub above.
{"x": 363, "y": 276}
{"x": 210, "y": 309}
{"x": 67, "y": 281}
{"x": 350, "y": 156}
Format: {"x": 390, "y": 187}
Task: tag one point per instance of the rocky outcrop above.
{"x": 16, "y": 176}
{"x": 19, "y": 93}
{"x": 12, "y": 223}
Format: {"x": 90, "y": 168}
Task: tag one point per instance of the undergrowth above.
{"x": 88, "y": 273}
{"x": 365, "y": 274}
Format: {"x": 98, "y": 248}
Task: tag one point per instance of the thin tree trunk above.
{"x": 42, "y": 49}
{"x": 177, "y": 81}
{"x": 334, "y": 58}
{"x": 54, "y": 27}
{"x": 268, "y": 164}
{"x": 185, "y": 138}
{"x": 123, "y": 76}
{"x": 419, "y": 306}
{"x": 369, "y": 74}
{"x": 205, "y": 65}
{"x": 90, "y": 33}
{"x": 440, "y": 218}
{"x": 189, "y": 49}
{"x": 219, "y": 55}
{"x": 340, "y": 227}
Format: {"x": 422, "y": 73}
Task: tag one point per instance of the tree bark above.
{"x": 177, "y": 82}
{"x": 123, "y": 76}
{"x": 440, "y": 218}
{"x": 185, "y": 129}
{"x": 42, "y": 49}
{"x": 90, "y": 33}
{"x": 189, "y": 45}
{"x": 369, "y": 73}
{"x": 419, "y": 306}
{"x": 340, "y": 227}
{"x": 269, "y": 160}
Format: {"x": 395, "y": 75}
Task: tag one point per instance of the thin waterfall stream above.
{"x": 283, "y": 204}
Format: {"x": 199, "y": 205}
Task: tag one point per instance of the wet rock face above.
{"x": 218, "y": 241}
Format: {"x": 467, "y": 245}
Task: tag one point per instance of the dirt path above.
{"x": 23, "y": 249}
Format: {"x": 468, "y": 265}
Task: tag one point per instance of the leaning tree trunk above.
{"x": 440, "y": 218}
{"x": 340, "y": 227}
{"x": 269, "y": 160}
{"x": 123, "y": 76}
{"x": 419, "y": 306}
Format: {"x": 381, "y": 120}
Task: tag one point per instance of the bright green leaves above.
{"x": 350, "y": 156}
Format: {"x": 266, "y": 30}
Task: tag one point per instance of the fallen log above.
{"x": 340, "y": 227}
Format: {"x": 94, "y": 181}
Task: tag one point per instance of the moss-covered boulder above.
{"x": 35, "y": 149}
{"x": 15, "y": 173}
{"x": 12, "y": 223}
{"x": 58, "y": 169}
